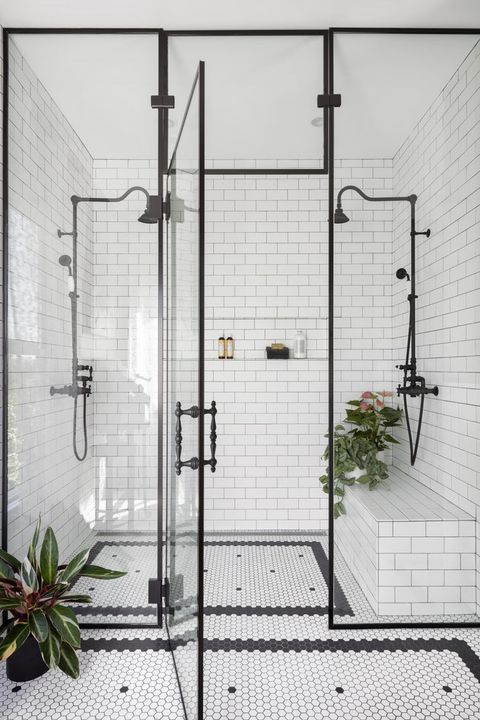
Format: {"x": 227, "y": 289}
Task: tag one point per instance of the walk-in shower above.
{"x": 413, "y": 385}
{"x": 82, "y": 375}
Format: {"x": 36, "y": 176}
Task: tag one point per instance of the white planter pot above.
{"x": 357, "y": 472}
{"x": 354, "y": 474}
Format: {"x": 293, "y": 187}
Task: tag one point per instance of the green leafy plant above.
{"x": 36, "y": 592}
{"x": 357, "y": 448}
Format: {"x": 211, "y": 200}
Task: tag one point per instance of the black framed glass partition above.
{"x": 260, "y": 98}
{"x": 82, "y": 417}
{"x": 404, "y": 293}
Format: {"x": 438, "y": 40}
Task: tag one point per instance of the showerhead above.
{"x": 65, "y": 260}
{"x": 402, "y": 274}
{"x": 340, "y": 216}
{"x": 146, "y": 218}
{"x": 154, "y": 210}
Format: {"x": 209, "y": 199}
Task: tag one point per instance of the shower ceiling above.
{"x": 221, "y": 14}
{"x": 386, "y": 81}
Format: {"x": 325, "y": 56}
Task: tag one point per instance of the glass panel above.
{"x": 260, "y": 98}
{"x": 90, "y": 299}
{"x": 406, "y": 340}
{"x": 183, "y": 418}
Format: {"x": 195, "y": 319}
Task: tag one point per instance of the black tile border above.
{"x": 460, "y": 647}
{"x": 342, "y": 607}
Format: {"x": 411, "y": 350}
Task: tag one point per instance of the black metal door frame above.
{"x": 198, "y": 85}
{"x": 332, "y": 624}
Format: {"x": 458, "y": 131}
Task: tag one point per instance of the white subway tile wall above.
{"x": 266, "y": 277}
{"x": 125, "y": 399}
{"x": 47, "y": 164}
{"x": 439, "y": 161}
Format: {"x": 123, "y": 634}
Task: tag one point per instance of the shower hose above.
{"x": 79, "y": 456}
{"x": 413, "y": 444}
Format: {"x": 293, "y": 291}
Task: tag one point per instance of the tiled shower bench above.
{"x": 411, "y": 551}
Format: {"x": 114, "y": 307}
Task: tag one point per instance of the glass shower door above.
{"x": 185, "y": 414}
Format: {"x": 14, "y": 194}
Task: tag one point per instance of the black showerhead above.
{"x": 340, "y": 216}
{"x": 153, "y": 211}
{"x": 65, "y": 260}
{"x": 402, "y": 274}
{"x": 146, "y": 218}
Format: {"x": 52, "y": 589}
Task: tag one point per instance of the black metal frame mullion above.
{"x": 201, "y": 379}
{"x": 331, "y": 340}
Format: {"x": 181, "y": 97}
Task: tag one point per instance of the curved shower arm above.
{"x": 77, "y": 199}
{"x": 412, "y": 199}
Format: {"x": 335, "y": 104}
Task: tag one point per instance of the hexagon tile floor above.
{"x": 268, "y": 652}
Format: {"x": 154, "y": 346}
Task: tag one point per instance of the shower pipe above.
{"x": 81, "y": 384}
{"x": 414, "y": 385}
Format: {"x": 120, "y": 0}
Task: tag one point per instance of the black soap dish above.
{"x": 277, "y": 354}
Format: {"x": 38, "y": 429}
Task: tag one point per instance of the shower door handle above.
{"x": 194, "y": 462}
{"x": 213, "y": 436}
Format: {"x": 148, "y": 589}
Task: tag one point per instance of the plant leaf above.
{"x": 100, "y": 573}
{"x": 14, "y": 639}
{"x": 65, "y": 623}
{"x": 28, "y": 577}
{"x": 32, "y": 550}
{"x": 68, "y": 662}
{"x": 76, "y": 598}
{"x": 50, "y": 649}
{"x": 75, "y": 565}
{"x": 49, "y": 557}
{"x": 9, "y": 603}
{"x": 38, "y": 625}
{"x": 5, "y": 570}
{"x": 10, "y": 560}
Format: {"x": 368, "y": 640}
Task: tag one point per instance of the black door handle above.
{"x": 194, "y": 462}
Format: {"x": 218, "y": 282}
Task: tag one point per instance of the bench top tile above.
{"x": 400, "y": 498}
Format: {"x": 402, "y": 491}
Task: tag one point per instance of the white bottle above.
{"x": 300, "y": 345}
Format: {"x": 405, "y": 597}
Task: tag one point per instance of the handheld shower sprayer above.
{"x": 66, "y": 261}
{"x": 401, "y": 274}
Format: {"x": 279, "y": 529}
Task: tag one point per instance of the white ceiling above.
{"x": 261, "y": 93}
{"x": 211, "y": 14}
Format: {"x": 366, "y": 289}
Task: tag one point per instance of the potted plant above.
{"x": 44, "y": 631}
{"x": 359, "y": 450}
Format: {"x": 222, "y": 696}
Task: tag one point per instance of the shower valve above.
{"x": 85, "y": 378}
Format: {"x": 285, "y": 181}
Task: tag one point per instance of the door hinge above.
{"x": 162, "y": 101}
{"x": 325, "y": 101}
{"x": 157, "y": 591}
